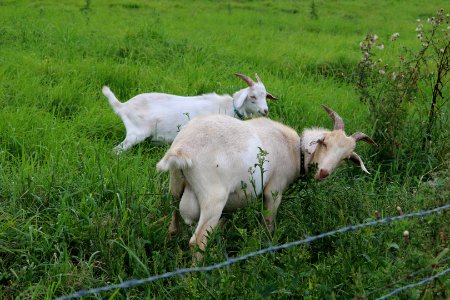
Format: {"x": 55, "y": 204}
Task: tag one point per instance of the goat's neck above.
{"x": 238, "y": 112}
{"x": 231, "y": 110}
{"x": 226, "y": 107}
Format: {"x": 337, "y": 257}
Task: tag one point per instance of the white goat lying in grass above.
{"x": 160, "y": 116}
{"x": 210, "y": 159}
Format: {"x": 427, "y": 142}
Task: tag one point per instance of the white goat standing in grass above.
{"x": 210, "y": 159}
{"x": 160, "y": 116}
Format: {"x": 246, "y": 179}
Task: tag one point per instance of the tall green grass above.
{"x": 73, "y": 215}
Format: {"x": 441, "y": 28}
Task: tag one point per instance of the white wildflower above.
{"x": 380, "y": 46}
{"x": 442, "y": 50}
{"x": 381, "y": 71}
{"x": 395, "y": 36}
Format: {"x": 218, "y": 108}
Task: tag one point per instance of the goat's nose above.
{"x": 322, "y": 174}
{"x": 265, "y": 112}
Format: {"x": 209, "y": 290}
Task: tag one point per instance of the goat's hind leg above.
{"x": 129, "y": 141}
{"x": 177, "y": 186}
{"x": 211, "y": 207}
{"x": 136, "y": 132}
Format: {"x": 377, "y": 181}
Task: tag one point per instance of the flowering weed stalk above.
{"x": 388, "y": 89}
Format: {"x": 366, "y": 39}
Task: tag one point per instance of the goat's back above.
{"x": 220, "y": 146}
{"x": 161, "y": 103}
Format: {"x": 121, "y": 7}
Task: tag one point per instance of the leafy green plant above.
{"x": 388, "y": 90}
{"x": 436, "y": 53}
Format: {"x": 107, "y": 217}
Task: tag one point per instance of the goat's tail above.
{"x": 174, "y": 159}
{"x": 113, "y": 101}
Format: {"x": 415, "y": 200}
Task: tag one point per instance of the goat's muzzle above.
{"x": 322, "y": 174}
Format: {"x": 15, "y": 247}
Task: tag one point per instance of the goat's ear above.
{"x": 310, "y": 147}
{"x": 357, "y": 160}
{"x": 240, "y": 97}
{"x": 270, "y": 96}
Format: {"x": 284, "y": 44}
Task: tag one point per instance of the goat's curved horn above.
{"x": 359, "y": 136}
{"x": 357, "y": 160}
{"x": 338, "y": 122}
{"x": 245, "y": 78}
{"x": 257, "y": 77}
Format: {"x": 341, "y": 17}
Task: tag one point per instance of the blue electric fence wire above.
{"x": 409, "y": 286}
{"x": 409, "y": 276}
{"x": 179, "y": 272}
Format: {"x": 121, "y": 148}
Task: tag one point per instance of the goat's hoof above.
{"x": 197, "y": 257}
{"x": 269, "y": 223}
{"x": 173, "y": 230}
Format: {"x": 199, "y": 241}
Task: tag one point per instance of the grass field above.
{"x": 74, "y": 216}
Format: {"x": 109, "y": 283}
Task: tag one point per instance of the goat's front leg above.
{"x": 272, "y": 201}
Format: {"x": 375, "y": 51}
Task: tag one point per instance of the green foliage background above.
{"x": 73, "y": 215}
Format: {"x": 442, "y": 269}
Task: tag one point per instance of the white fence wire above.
{"x": 180, "y": 272}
